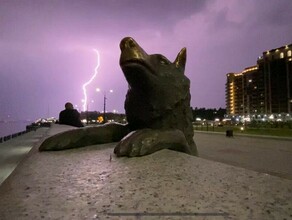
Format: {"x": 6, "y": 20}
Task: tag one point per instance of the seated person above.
{"x": 70, "y": 116}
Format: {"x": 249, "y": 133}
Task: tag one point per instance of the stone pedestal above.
{"x": 91, "y": 183}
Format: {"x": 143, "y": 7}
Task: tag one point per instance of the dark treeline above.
{"x": 209, "y": 113}
{"x": 94, "y": 115}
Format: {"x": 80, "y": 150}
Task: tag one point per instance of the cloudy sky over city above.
{"x": 47, "y": 47}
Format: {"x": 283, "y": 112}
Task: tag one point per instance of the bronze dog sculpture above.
{"x": 157, "y": 107}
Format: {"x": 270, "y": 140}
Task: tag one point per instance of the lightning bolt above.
{"x": 89, "y": 81}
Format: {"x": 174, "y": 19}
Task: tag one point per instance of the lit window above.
{"x": 281, "y": 55}
{"x": 289, "y": 53}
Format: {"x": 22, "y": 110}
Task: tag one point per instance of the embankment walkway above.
{"x": 13, "y": 151}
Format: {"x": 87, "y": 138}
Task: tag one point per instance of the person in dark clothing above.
{"x": 70, "y": 116}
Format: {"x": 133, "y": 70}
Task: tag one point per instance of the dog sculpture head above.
{"x": 156, "y": 85}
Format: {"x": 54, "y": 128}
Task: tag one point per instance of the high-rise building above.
{"x": 265, "y": 88}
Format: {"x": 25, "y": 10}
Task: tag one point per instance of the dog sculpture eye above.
{"x": 163, "y": 61}
{"x": 132, "y": 44}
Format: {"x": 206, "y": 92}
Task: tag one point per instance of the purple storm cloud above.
{"x": 46, "y": 47}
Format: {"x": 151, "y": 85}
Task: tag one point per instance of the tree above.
{"x": 208, "y": 114}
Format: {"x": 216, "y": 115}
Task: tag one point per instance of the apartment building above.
{"x": 265, "y": 88}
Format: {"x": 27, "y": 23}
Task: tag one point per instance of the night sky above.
{"x": 46, "y": 47}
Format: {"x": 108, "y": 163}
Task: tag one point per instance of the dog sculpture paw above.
{"x": 147, "y": 141}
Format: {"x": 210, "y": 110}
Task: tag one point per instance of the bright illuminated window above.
{"x": 289, "y": 53}
{"x": 281, "y": 55}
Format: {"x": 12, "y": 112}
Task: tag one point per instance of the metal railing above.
{"x": 14, "y": 135}
{"x": 29, "y": 128}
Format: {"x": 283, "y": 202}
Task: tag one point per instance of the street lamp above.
{"x": 104, "y": 101}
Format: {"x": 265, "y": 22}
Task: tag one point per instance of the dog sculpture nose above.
{"x": 127, "y": 43}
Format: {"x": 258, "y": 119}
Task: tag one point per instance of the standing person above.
{"x": 70, "y": 116}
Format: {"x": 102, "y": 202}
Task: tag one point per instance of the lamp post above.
{"x": 104, "y": 102}
{"x": 86, "y": 111}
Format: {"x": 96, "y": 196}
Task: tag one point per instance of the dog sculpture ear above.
{"x": 180, "y": 61}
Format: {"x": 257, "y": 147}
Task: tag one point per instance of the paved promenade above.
{"x": 91, "y": 183}
{"x": 266, "y": 155}
{"x": 12, "y": 152}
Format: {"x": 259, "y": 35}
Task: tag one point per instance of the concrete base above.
{"x": 91, "y": 183}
